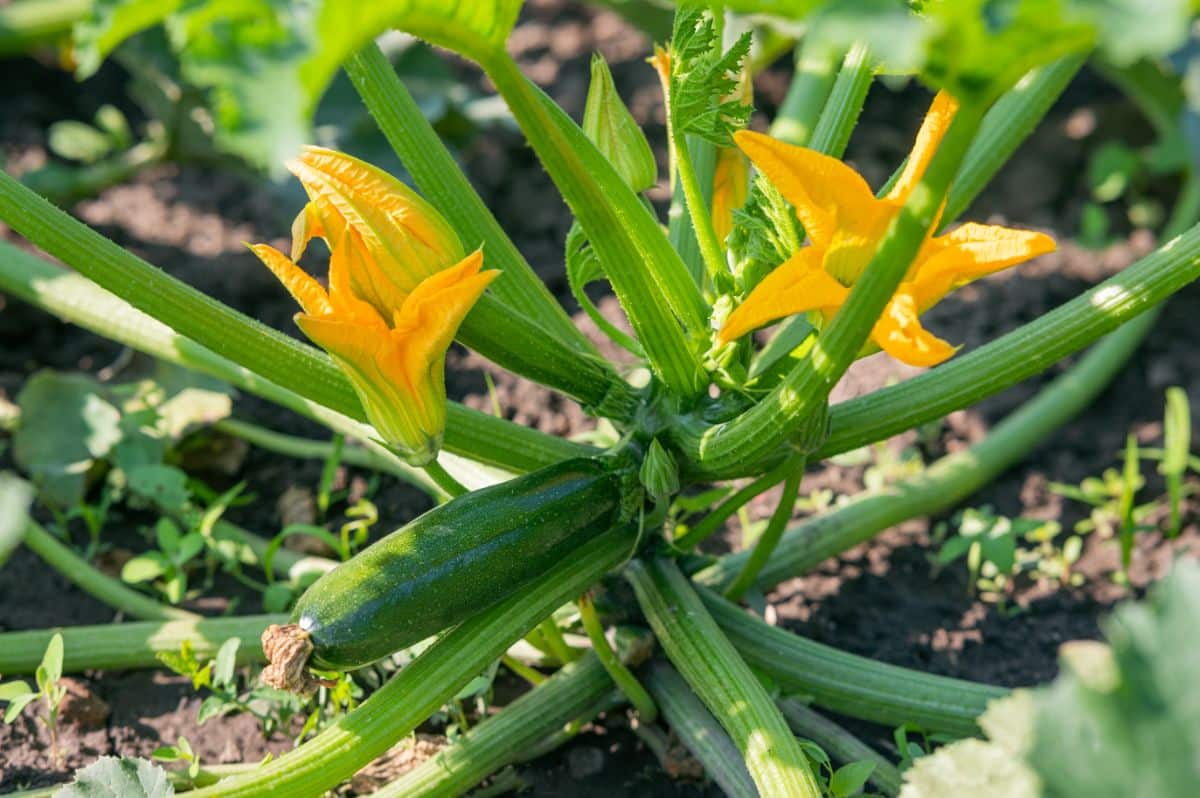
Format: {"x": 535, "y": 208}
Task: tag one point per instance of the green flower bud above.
{"x": 659, "y": 473}
{"x": 610, "y": 126}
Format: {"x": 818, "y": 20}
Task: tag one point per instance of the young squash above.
{"x": 457, "y": 560}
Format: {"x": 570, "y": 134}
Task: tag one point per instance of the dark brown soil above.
{"x": 881, "y": 600}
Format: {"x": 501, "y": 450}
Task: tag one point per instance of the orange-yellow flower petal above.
{"x": 796, "y": 286}
{"x": 826, "y": 193}
{"x": 305, "y": 227}
{"x": 899, "y": 333}
{"x": 303, "y": 288}
{"x": 405, "y": 237}
{"x": 731, "y": 188}
{"x": 933, "y": 128}
{"x": 429, "y": 319}
{"x": 972, "y": 251}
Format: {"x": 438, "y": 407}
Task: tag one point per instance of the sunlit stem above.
{"x": 624, "y": 679}
{"x": 769, "y": 539}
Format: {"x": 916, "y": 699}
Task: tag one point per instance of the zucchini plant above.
{"x": 766, "y": 232}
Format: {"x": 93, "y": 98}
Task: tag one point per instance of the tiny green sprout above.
{"x": 362, "y": 514}
{"x": 180, "y": 752}
{"x": 839, "y": 782}
{"x": 166, "y": 567}
{"x": 48, "y": 677}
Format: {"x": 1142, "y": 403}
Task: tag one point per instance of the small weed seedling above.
{"x": 181, "y": 751}
{"x": 49, "y": 674}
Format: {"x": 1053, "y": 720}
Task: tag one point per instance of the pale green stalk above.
{"x": 122, "y": 646}
{"x": 816, "y": 70}
{"x": 723, "y": 681}
{"x": 845, "y": 103}
{"x": 656, "y": 291}
{"x": 699, "y": 731}
{"x": 849, "y": 684}
{"x": 625, "y": 681}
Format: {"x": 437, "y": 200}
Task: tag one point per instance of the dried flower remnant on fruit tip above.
{"x": 287, "y": 648}
{"x": 845, "y": 222}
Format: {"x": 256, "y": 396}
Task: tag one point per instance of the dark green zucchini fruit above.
{"x": 455, "y": 561}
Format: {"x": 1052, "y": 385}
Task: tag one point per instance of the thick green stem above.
{"x": 442, "y": 478}
{"x": 698, "y": 208}
{"x": 951, "y": 479}
{"x": 736, "y": 447}
{"x": 27, "y": 24}
{"x": 699, "y": 731}
{"x": 841, "y": 745}
{"x": 816, "y": 67}
{"x": 95, "y": 582}
{"x": 845, "y": 103}
{"x": 626, "y": 682}
{"x": 504, "y": 737}
{"x": 655, "y": 289}
{"x": 712, "y": 522}
{"x": 427, "y": 682}
{"x": 72, "y": 298}
{"x": 120, "y": 646}
{"x": 1005, "y": 126}
{"x": 849, "y": 684}
{"x": 722, "y": 680}
{"x": 443, "y": 183}
{"x": 766, "y": 543}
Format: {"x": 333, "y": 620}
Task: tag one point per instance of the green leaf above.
{"x": 1130, "y": 726}
{"x": 17, "y": 704}
{"x": 1131, "y": 29}
{"x": 163, "y": 486}
{"x": 211, "y": 707}
{"x": 226, "y": 662}
{"x": 144, "y": 568}
{"x": 78, "y": 141}
{"x": 110, "y": 777}
{"x": 13, "y": 690}
{"x": 703, "y": 77}
{"x": 52, "y": 659}
{"x": 66, "y": 424}
{"x": 849, "y": 779}
{"x": 112, "y": 22}
{"x": 1177, "y": 444}
{"x": 16, "y": 495}
{"x": 266, "y": 63}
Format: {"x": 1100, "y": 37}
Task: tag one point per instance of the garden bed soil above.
{"x": 883, "y": 599}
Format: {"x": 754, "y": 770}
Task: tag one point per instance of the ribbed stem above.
{"x": 625, "y": 681}
{"x": 443, "y": 183}
{"x": 121, "y": 646}
{"x": 699, "y": 731}
{"x": 1006, "y": 126}
{"x": 723, "y": 681}
{"x": 816, "y": 68}
{"x": 712, "y": 522}
{"x": 95, "y": 582}
{"x": 31, "y": 23}
{"x": 845, "y": 103}
{"x": 658, "y": 294}
{"x": 761, "y": 552}
{"x": 427, "y": 682}
{"x": 849, "y": 684}
{"x": 951, "y": 479}
{"x": 699, "y": 211}
{"x": 72, "y": 298}
{"x": 504, "y": 737}
{"x": 841, "y": 745}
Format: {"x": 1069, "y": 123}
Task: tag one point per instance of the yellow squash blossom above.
{"x": 398, "y": 290}
{"x": 845, "y": 222}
